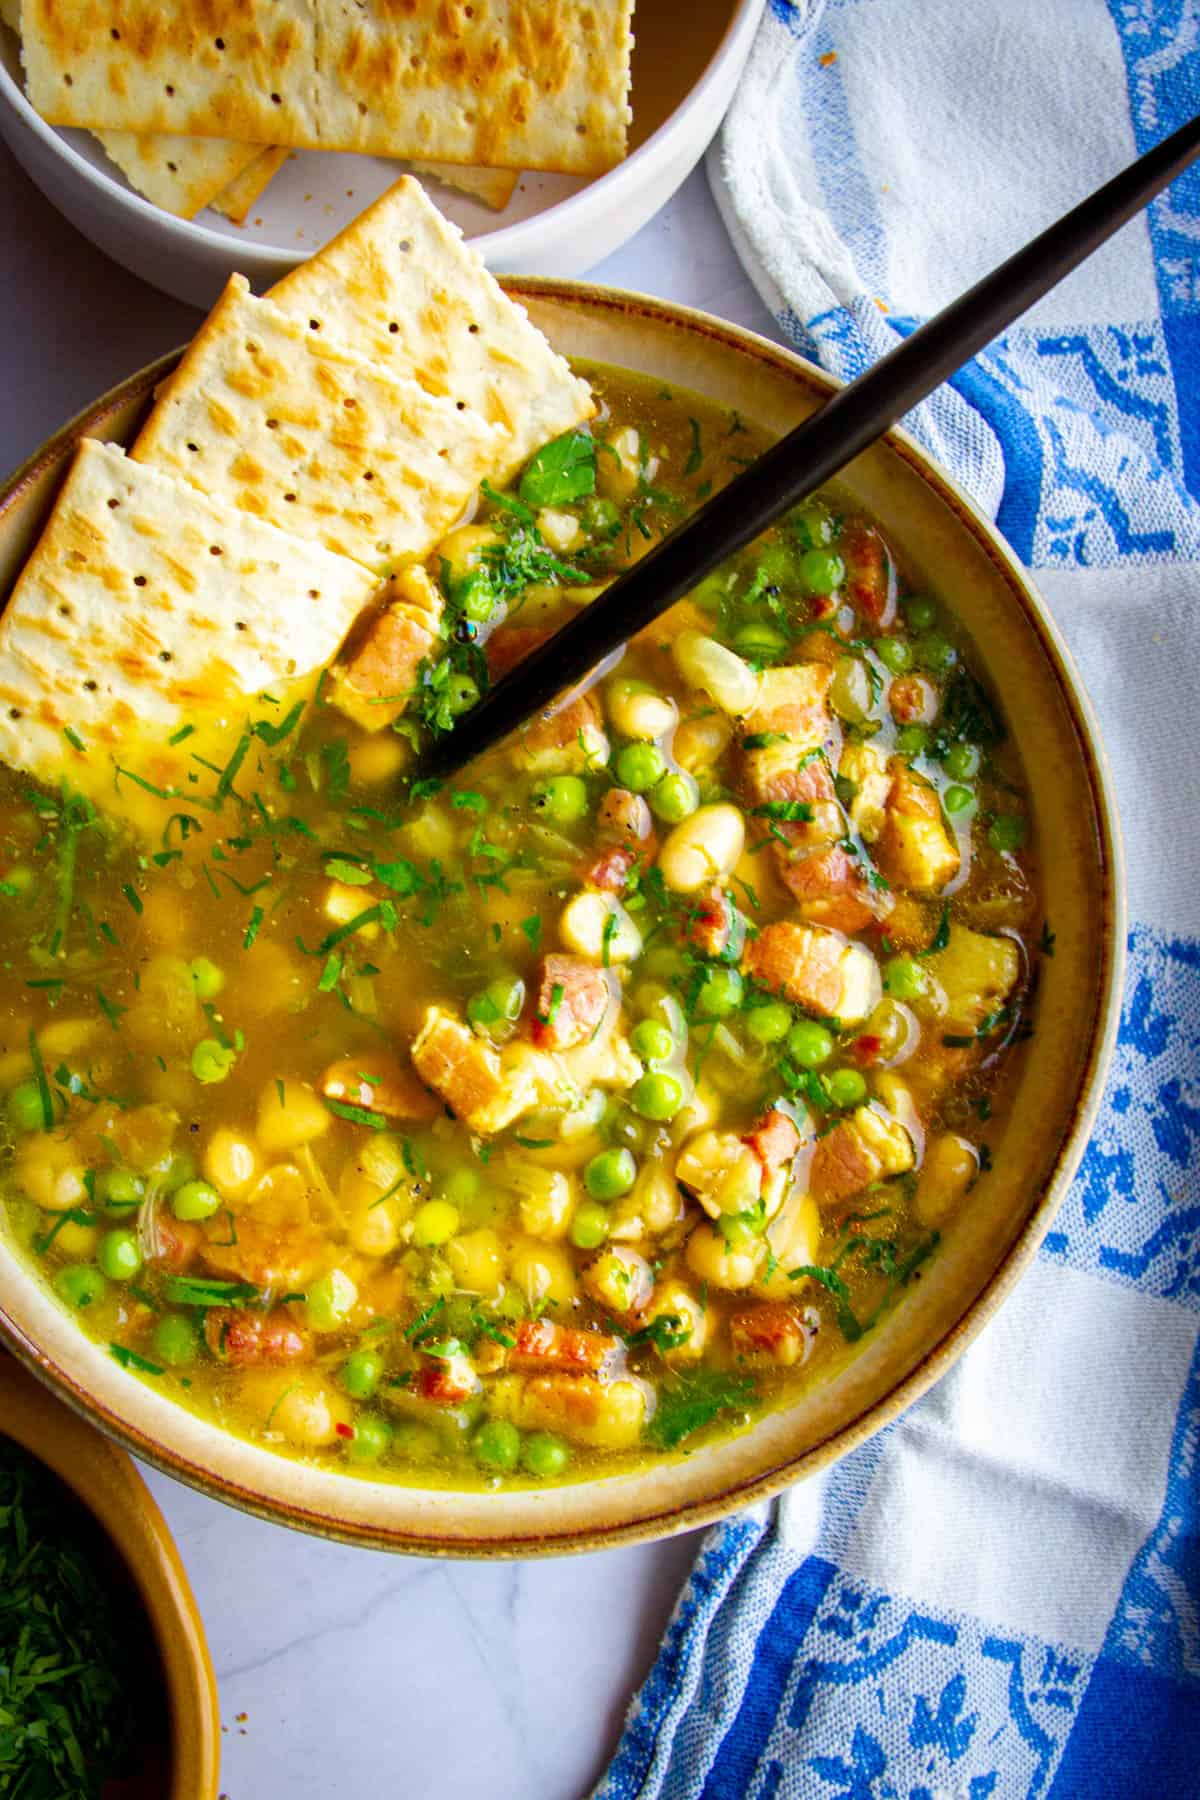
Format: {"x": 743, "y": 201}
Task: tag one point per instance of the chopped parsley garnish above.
{"x": 563, "y": 471}
{"x": 694, "y": 1400}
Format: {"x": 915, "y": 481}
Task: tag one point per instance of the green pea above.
{"x": 195, "y": 1200}
{"x": 710, "y": 595}
{"x": 24, "y": 1107}
{"x": 175, "y": 1339}
{"x": 564, "y": 800}
{"x": 119, "y": 1255}
{"x": 545, "y": 1455}
{"x": 372, "y": 1439}
{"x": 961, "y": 761}
{"x": 639, "y": 766}
{"x": 657, "y": 1096}
{"x": 905, "y": 978}
{"x": 361, "y": 1374}
{"x": 895, "y": 653}
{"x": 80, "y": 1285}
{"x": 461, "y": 1186}
{"x": 920, "y": 613}
{"x": 809, "y": 1044}
{"x": 935, "y": 652}
{"x": 675, "y": 798}
{"x": 212, "y": 1061}
{"x": 416, "y": 1443}
{"x": 821, "y": 572}
{"x": 957, "y": 799}
{"x": 330, "y": 1300}
{"x": 912, "y": 740}
{"x": 761, "y": 643}
{"x": 496, "y": 1446}
{"x": 769, "y": 1024}
{"x": 434, "y": 1223}
{"x": 461, "y": 694}
{"x": 813, "y": 525}
{"x": 119, "y": 1191}
{"x": 610, "y": 1174}
{"x": 497, "y": 1006}
{"x": 1007, "y": 832}
{"x": 207, "y": 978}
{"x": 599, "y": 517}
{"x": 589, "y": 1225}
{"x": 652, "y": 1040}
{"x": 477, "y": 597}
{"x": 846, "y": 1087}
{"x": 720, "y": 994}
{"x": 664, "y": 962}
{"x": 626, "y": 1130}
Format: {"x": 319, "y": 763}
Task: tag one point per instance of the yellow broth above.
{"x": 626, "y": 1197}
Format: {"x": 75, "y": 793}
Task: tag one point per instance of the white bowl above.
{"x": 556, "y": 225}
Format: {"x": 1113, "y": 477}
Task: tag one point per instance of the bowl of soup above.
{"x": 588, "y": 1146}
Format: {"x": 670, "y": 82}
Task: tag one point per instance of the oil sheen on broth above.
{"x": 573, "y": 1113}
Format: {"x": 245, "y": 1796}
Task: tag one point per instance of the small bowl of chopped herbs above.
{"x": 106, "y": 1688}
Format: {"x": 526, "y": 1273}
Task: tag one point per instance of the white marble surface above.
{"x": 361, "y": 1674}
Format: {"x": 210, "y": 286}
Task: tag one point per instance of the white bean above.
{"x": 598, "y": 927}
{"x": 636, "y": 711}
{"x": 723, "y": 675}
{"x": 704, "y": 848}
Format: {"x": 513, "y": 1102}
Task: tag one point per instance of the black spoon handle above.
{"x": 849, "y": 421}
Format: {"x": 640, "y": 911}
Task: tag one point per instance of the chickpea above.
{"x": 462, "y": 550}
{"x": 794, "y": 1240}
{"x": 636, "y": 711}
{"x": 703, "y": 849}
{"x": 547, "y": 1205}
{"x": 675, "y": 1300}
{"x": 951, "y": 1165}
{"x": 619, "y": 1279}
{"x": 378, "y": 759}
{"x": 722, "y": 1171}
{"x": 343, "y": 903}
{"x": 543, "y": 1273}
{"x": 374, "y": 1227}
{"x": 50, "y": 1170}
{"x": 277, "y": 983}
{"x": 561, "y": 530}
{"x": 230, "y": 1162}
{"x": 430, "y": 834}
{"x": 77, "y": 1240}
{"x": 618, "y": 464}
{"x": 290, "y": 1113}
{"x": 166, "y": 1001}
{"x": 477, "y": 1262}
{"x": 66, "y": 1037}
{"x": 711, "y": 1259}
{"x": 850, "y": 690}
{"x": 699, "y": 743}
{"x": 304, "y": 1408}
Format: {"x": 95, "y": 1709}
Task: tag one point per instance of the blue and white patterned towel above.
{"x": 999, "y": 1595}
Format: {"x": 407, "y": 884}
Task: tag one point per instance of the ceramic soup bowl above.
{"x": 950, "y": 550}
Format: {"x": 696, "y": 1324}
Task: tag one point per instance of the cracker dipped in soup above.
{"x": 550, "y": 1120}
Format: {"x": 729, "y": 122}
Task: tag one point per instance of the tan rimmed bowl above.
{"x": 178, "y": 1752}
{"x": 958, "y": 557}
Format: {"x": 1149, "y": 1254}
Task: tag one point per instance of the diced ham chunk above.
{"x": 602, "y": 1415}
{"x": 469, "y": 1074}
{"x": 774, "y": 1140}
{"x": 572, "y": 999}
{"x": 175, "y": 1242}
{"x": 711, "y": 922}
{"x": 562, "y": 741}
{"x": 831, "y": 888}
{"x": 446, "y": 1381}
{"x": 242, "y": 1337}
{"x": 870, "y": 578}
{"x": 541, "y": 1345}
{"x": 373, "y": 685}
{"x": 815, "y": 969}
{"x": 379, "y": 1084}
{"x": 915, "y": 848}
{"x": 772, "y": 1332}
{"x": 793, "y": 701}
{"x": 625, "y": 818}
{"x": 610, "y": 870}
{"x": 866, "y": 1147}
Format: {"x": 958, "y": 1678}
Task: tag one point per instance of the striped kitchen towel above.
{"x": 999, "y": 1595}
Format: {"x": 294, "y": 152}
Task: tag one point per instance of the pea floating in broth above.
{"x": 546, "y": 1122}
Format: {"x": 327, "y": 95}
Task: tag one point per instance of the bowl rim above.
{"x": 495, "y": 246}
{"x": 1093, "y": 1068}
{"x": 104, "y": 1480}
